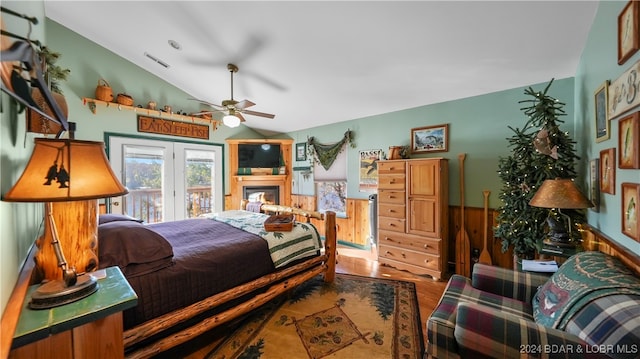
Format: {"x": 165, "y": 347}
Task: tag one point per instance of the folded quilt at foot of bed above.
{"x": 285, "y": 247}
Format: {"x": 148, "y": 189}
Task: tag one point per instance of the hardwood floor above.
{"x": 350, "y": 261}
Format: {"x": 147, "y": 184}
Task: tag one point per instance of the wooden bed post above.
{"x": 330, "y": 243}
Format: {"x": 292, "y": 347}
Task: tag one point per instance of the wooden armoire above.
{"x": 413, "y": 201}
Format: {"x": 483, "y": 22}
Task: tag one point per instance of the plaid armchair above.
{"x": 500, "y": 313}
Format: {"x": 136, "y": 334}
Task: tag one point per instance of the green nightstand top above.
{"x": 114, "y": 295}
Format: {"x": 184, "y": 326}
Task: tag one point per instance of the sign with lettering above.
{"x": 173, "y": 128}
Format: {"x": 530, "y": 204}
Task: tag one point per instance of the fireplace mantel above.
{"x": 237, "y": 182}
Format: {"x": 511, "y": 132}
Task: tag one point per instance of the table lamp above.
{"x": 66, "y": 172}
{"x": 560, "y": 193}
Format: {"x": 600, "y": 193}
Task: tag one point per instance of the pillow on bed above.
{"x": 133, "y": 247}
{"x": 112, "y": 217}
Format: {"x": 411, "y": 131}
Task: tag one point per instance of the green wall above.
{"x": 19, "y": 222}
{"x": 599, "y": 63}
{"x": 477, "y": 128}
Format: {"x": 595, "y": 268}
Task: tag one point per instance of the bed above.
{"x": 194, "y": 275}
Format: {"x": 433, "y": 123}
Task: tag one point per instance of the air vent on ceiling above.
{"x": 162, "y": 63}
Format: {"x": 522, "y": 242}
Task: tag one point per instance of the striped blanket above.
{"x": 285, "y": 247}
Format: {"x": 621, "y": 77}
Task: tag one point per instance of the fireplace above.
{"x": 264, "y": 194}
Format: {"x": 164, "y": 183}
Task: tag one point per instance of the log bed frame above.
{"x": 274, "y": 284}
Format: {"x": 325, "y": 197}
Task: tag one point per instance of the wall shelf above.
{"x": 241, "y": 178}
{"x": 91, "y": 103}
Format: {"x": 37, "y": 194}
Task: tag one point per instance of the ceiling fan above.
{"x": 233, "y": 109}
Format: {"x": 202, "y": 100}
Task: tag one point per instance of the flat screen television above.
{"x": 255, "y": 155}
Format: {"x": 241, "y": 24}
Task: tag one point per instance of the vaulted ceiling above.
{"x": 320, "y": 62}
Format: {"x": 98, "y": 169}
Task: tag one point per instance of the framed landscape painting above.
{"x": 430, "y": 139}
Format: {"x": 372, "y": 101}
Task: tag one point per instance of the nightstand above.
{"x": 88, "y": 328}
{"x": 558, "y": 253}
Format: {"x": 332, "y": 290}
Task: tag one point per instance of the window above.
{"x": 166, "y": 180}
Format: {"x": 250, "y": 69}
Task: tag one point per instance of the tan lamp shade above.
{"x": 66, "y": 170}
{"x": 560, "y": 193}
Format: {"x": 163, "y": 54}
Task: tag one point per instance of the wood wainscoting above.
{"x": 594, "y": 240}
{"x": 354, "y": 229}
{"x": 474, "y": 223}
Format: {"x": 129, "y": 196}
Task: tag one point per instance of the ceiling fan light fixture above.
{"x": 231, "y": 121}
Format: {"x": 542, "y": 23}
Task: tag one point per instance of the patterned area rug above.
{"x": 354, "y": 317}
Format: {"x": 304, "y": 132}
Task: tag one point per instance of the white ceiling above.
{"x": 314, "y": 63}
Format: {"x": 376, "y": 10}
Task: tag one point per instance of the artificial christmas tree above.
{"x": 540, "y": 151}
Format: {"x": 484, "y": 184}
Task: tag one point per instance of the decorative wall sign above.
{"x": 368, "y": 181}
{"x": 629, "y": 141}
{"x": 594, "y": 166}
{"x": 630, "y": 212}
{"x": 608, "y": 171}
{"x": 624, "y": 92}
{"x": 172, "y": 128}
{"x": 430, "y": 139}
{"x": 602, "y": 122}
{"x": 628, "y": 31}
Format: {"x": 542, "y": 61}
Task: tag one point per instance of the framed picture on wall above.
{"x": 608, "y": 171}
{"x": 628, "y": 31}
{"x": 602, "y": 122}
{"x": 629, "y": 141}
{"x": 368, "y": 170}
{"x": 301, "y": 151}
{"x": 430, "y": 139}
{"x": 630, "y": 213}
{"x": 594, "y": 181}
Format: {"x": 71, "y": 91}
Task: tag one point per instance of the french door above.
{"x": 166, "y": 180}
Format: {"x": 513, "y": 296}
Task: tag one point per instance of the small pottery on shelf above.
{"x": 124, "y": 99}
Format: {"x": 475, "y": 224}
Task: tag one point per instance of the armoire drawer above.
{"x": 391, "y": 167}
{"x": 387, "y": 196}
{"x": 393, "y": 181}
{"x": 421, "y": 244}
{"x": 410, "y": 257}
{"x": 392, "y": 210}
{"x": 391, "y": 224}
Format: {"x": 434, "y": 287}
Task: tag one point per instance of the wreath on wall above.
{"x": 325, "y": 154}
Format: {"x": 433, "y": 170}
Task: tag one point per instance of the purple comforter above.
{"x": 209, "y": 257}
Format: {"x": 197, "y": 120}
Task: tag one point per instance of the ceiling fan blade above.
{"x": 239, "y": 115}
{"x": 261, "y": 114}
{"x": 244, "y": 104}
